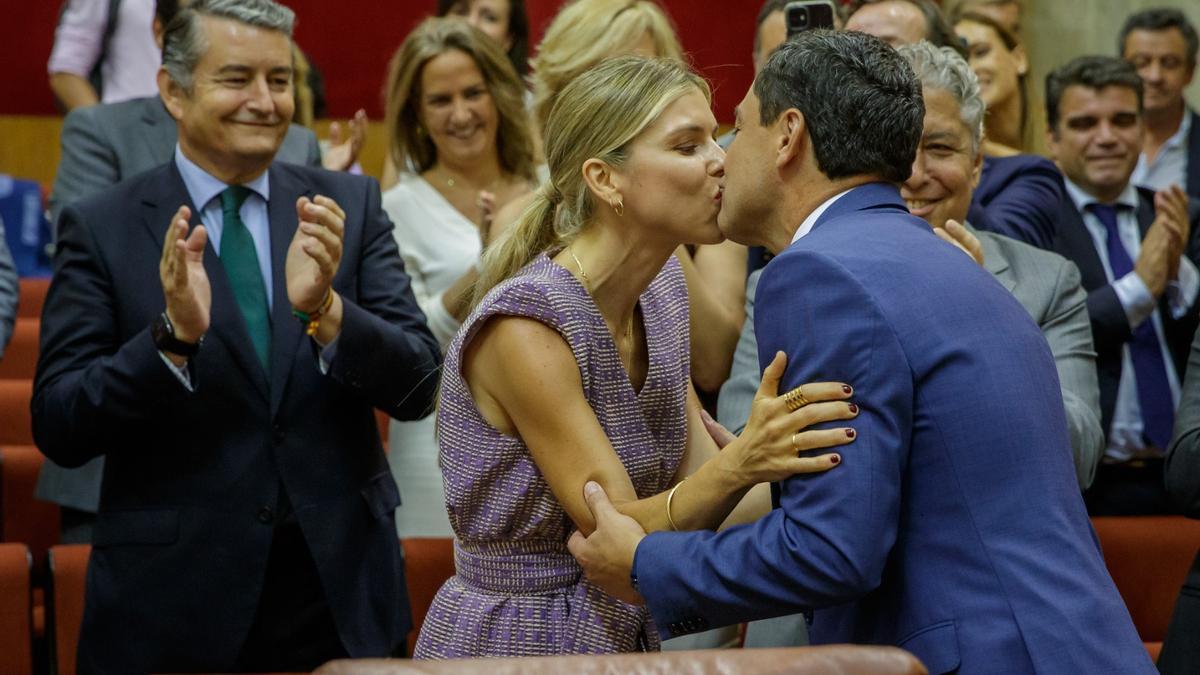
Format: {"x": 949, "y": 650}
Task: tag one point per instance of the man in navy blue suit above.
{"x": 955, "y": 529}
{"x": 219, "y": 329}
{"x": 1137, "y": 253}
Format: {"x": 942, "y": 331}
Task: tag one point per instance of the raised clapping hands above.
{"x": 344, "y": 146}
{"x": 315, "y": 252}
{"x": 770, "y": 446}
{"x": 184, "y": 281}
{"x": 1165, "y": 241}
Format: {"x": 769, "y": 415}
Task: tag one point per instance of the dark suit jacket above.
{"x": 1181, "y": 648}
{"x": 103, "y": 145}
{"x": 1018, "y": 197}
{"x": 1193, "y": 158}
{"x": 191, "y": 490}
{"x": 954, "y": 528}
{"x": 1110, "y": 327}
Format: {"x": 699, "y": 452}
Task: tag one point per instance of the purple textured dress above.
{"x": 518, "y": 591}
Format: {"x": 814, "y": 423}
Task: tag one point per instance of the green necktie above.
{"x": 241, "y": 266}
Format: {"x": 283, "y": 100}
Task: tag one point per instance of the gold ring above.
{"x": 795, "y": 447}
{"x": 794, "y": 400}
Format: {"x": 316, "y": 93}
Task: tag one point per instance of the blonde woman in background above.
{"x": 583, "y": 34}
{"x": 455, "y": 114}
{"x": 574, "y": 367}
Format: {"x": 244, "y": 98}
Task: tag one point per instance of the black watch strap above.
{"x": 163, "y": 333}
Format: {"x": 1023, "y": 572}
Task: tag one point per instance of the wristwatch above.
{"x": 163, "y": 333}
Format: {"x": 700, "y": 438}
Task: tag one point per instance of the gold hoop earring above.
{"x": 618, "y": 206}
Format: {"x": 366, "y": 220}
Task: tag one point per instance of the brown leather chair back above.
{"x": 1148, "y": 558}
{"x": 16, "y": 424}
{"x": 16, "y": 611}
{"x": 20, "y": 357}
{"x": 22, "y": 517}
{"x": 68, "y": 573}
{"x": 829, "y": 660}
{"x": 428, "y": 563}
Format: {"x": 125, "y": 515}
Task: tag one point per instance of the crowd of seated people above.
{"x": 552, "y": 284}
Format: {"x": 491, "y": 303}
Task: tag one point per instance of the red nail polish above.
{"x": 835, "y": 460}
{"x": 847, "y": 389}
{"x": 854, "y": 408}
{"x": 849, "y": 433}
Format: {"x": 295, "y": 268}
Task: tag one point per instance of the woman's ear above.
{"x": 1021, "y": 59}
{"x": 602, "y": 180}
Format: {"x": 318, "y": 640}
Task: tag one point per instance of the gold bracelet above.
{"x": 670, "y": 496}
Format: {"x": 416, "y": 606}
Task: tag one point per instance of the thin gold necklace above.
{"x": 587, "y": 284}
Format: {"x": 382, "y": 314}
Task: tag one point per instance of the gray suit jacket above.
{"x": 103, "y": 145}
{"x": 1047, "y": 286}
{"x": 9, "y": 293}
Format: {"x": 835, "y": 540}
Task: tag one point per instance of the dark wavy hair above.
{"x": 518, "y": 29}
{"x": 860, "y": 99}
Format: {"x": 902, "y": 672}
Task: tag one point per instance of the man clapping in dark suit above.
{"x": 1137, "y": 253}
{"x": 246, "y": 509}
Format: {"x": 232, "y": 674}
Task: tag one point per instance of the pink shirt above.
{"x": 133, "y": 57}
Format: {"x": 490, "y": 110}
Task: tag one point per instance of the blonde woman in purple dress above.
{"x": 573, "y": 367}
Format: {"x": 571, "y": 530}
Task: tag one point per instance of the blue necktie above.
{"x": 240, "y": 259}
{"x": 1145, "y": 349}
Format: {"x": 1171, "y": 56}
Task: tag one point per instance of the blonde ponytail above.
{"x": 532, "y": 233}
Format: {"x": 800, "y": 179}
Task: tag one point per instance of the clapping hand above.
{"x": 344, "y": 147}
{"x": 184, "y": 281}
{"x": 315, "y": 252}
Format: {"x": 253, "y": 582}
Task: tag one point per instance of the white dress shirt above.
{"x": 811, "y": 220}
{"x": 1125, "y": 437}
{"x": 1170, "y": 165}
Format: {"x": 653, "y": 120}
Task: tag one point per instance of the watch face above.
{"x": 164, "y": 338}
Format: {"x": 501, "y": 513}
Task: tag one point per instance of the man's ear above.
{"x": 1052, "y": 143}
{"x": 602, "y": 180}
{"x": 171, "y": 93}
{"x": 792, "y": 137}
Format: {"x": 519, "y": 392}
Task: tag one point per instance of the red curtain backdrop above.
{"x": 352, "y": 40}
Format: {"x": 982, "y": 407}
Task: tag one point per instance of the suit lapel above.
{"x": 286, "y": 331}
{"x": 995, "y": 262}
{"x": 160, "y": 133}
{"x": 226, "y": 322}
{"x": 1076, "y": 244}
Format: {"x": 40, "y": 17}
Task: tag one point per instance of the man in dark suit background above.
{"x": 246, "y": 513}
{"x": 103, "y": 145}
{"x": 1137, "y": 253}
{"x": 1162, "y": 44}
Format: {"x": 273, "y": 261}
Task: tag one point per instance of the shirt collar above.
{"x": 203, "y": 187}
{"x": 811, "y": 220}
{"x": 1083, "y": 199}
{"x": 1184, "y": 127}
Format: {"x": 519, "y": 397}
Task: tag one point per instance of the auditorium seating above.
{"x": 20, "y": 357}
{"x": 16, "y": 427}
{"x": 829, "y": 660}
{"x": 428, "y": 563}
{"x": 68, "y": 571}
{"x": 16, "y": 611}
{"x": 1148, "y": 558}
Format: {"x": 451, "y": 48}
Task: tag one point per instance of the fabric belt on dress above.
{"x": 516, "y": 567}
